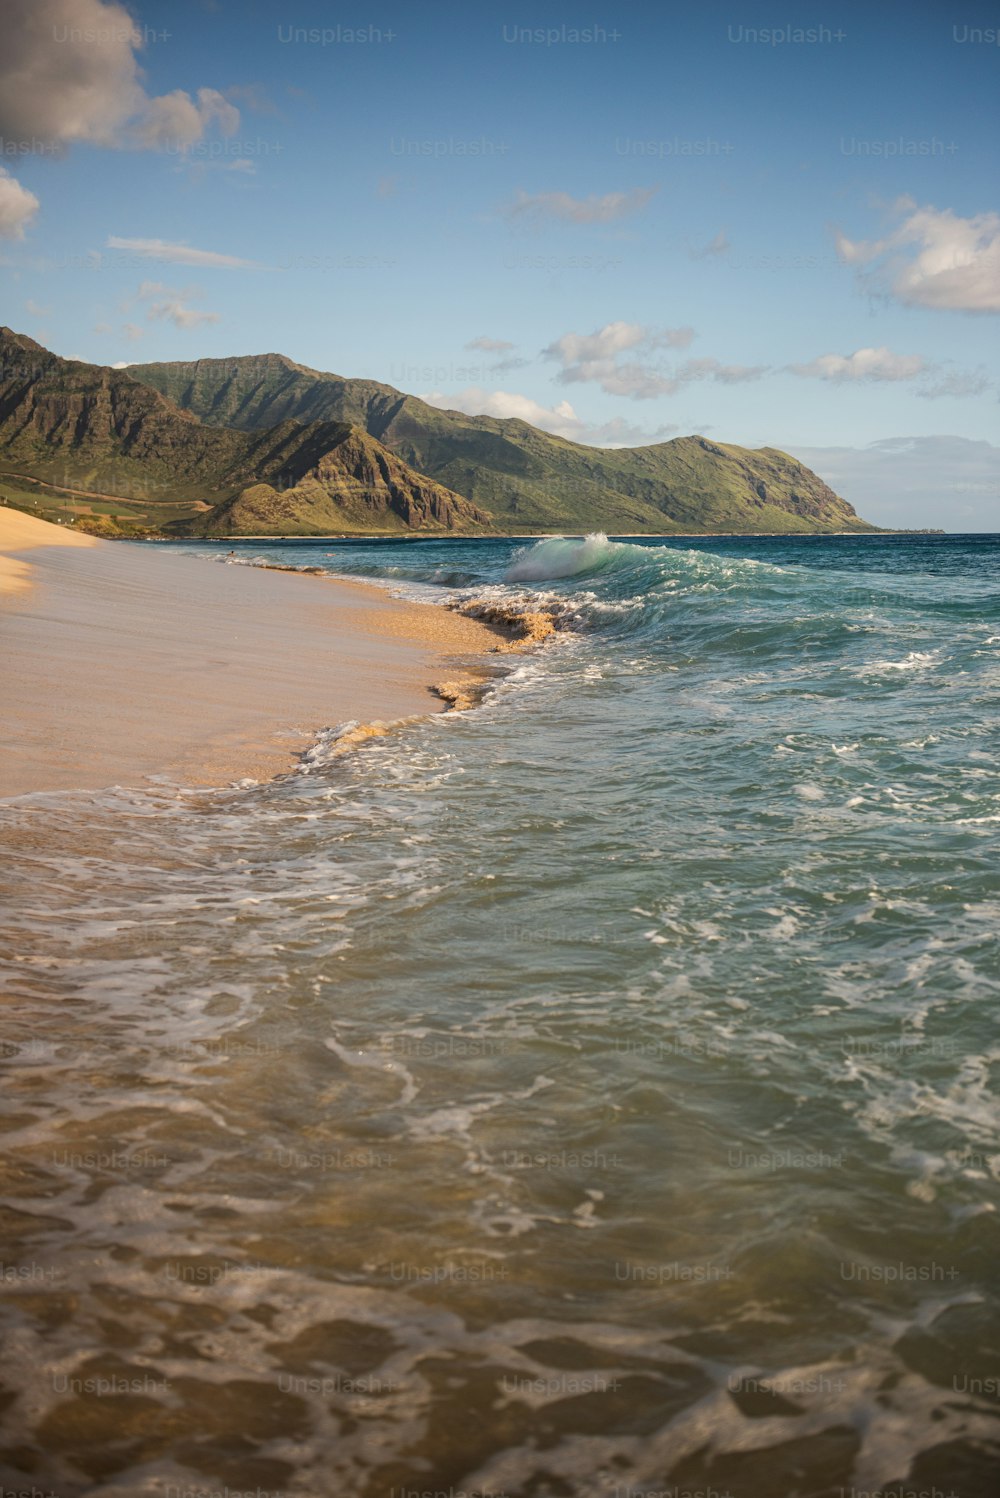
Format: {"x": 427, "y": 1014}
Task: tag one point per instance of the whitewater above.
{"x": 590, "y": 1093}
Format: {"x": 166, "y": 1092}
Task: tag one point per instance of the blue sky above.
{"x": 777, "y": 224}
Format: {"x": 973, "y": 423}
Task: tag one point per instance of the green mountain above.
{"x": 262, "y": 445}
{"x": 524, "y": 478}
{"x": 102, "y": 433}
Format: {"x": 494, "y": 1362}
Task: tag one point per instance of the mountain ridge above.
{"x": 350, "y": 455}
{"x": 525, "y": 478}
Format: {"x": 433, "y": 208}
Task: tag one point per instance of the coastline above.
{"x": 427, "y": 538}
{"x": 121, "y": 663}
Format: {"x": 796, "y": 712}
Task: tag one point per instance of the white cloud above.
{"x": 36, "y": 310}
{"x": 882, "y": 365}
{"x": 863, "y": 364}
{"x": 951, "y": 482}
{"x": 620, "y": 433}
{"x": 614, "y": 338}
{"x": 176, "y": 121}
{"x": 69, "y": 72}
{"x": 560, "y": 420}
{"x": 18, "y": 206}
{"x": 507, "y": 404}
{"x": 636, "y": 381}
{"x": 593, "y": 210}
{"x": 180, "y": 254}
{"x": 595, "y": 357}
{"x": 587, "y": 357}
{"x": 933, "y": 258}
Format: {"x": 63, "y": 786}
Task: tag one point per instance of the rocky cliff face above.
{"x": 353, "y": 485}
{"x": 364, "y": 476}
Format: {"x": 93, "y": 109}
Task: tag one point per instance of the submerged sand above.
{"x": 122, "y": 661}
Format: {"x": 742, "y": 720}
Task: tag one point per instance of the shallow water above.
{"x": 592, "y": 1094}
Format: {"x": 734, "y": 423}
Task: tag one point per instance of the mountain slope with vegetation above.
{"x": 525, "y": 478}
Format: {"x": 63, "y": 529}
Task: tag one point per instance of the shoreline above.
{"x": 121, "y": 664}
{"x": 426, "y": 538}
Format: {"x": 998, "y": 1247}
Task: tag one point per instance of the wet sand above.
{"x": 120, "y": 661}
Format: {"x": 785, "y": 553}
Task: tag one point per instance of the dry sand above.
{"x": 20, "y": 532}
{"x": 120, "y": 660}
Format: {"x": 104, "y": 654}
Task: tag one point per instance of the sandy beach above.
{"x": 123, "y": 661}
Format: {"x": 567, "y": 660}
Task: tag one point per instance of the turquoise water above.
{"x": 591, "y": 1094}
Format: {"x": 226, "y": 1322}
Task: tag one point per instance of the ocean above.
{"x": 590, "y": 1095}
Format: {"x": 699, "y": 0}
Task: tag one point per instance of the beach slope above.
{"x": 120, "y": 661}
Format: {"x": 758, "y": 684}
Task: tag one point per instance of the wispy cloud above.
{"x": 180, "y": 315}
{"x": 957, "y": 384}
{"x": 196, "y": 168}
{"x": 180, "y": 254}
{"x": 724, "y": 374}
{"x": 564, "y": 208}
{"x": 718, "y": 246}
{"x": 932, "y": 258}
{"x": 486, "y": 345}
{"x": 170, "y": 304}
{"x": 252, "y": 96}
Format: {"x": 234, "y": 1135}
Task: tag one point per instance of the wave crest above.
{"x": 561, "y": 556}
